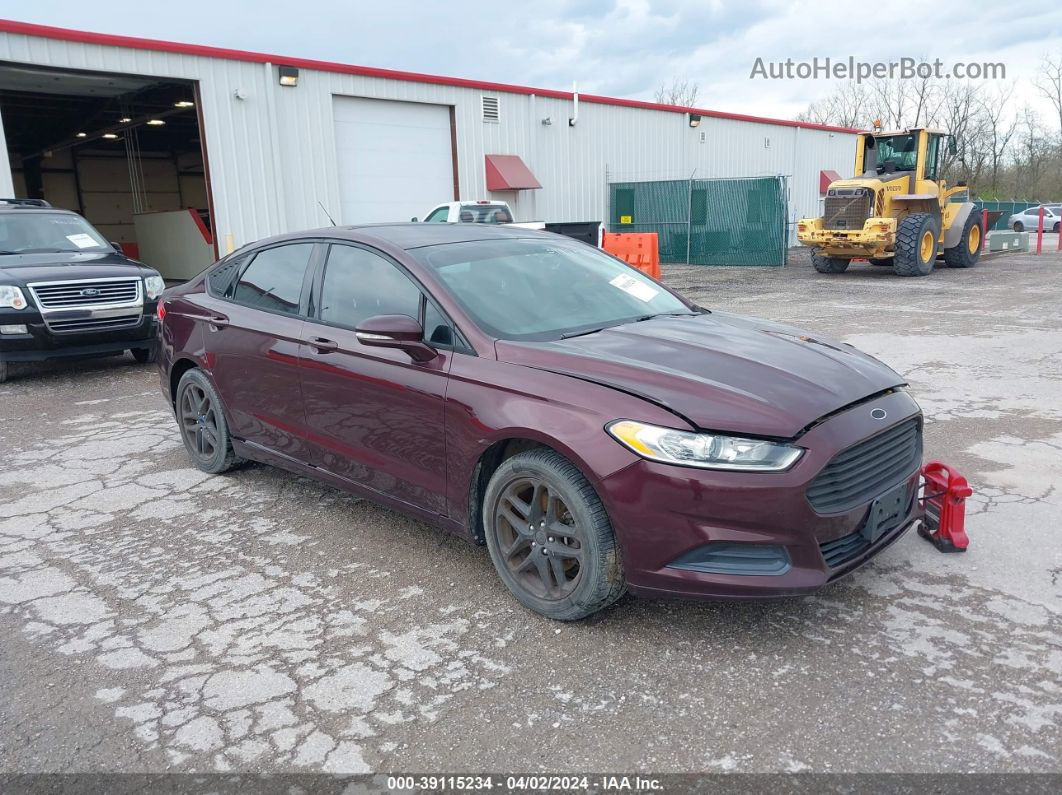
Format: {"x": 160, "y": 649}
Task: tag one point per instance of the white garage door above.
{"x": 395, "y": 158}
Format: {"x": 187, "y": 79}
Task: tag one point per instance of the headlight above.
{"x": 154, "y": 285}
{"x": 12, "y": 297}
{"x": 704, "y": 450}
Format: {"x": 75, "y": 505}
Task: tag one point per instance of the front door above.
{"x": 252, "y": 343}
{"x": 375, "y": 416}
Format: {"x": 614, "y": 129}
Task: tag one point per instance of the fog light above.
{"x": 13, "y": 329}
{"x": 731, "y": 558}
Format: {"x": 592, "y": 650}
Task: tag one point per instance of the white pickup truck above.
{"x": 477, "y": 212}
{"x": 498, "y": 212}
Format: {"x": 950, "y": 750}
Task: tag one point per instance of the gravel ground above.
{"x": 154, "y": 618}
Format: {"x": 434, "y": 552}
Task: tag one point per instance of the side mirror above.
{"x": 413, "y": 219}
{"x": 953, "y": 146}
{"x": 395, "y": 331}
{"x": 117, "y": 246}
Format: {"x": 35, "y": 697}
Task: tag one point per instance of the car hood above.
{"x": 719, "y": 371}
{"x": 22, "y": 268}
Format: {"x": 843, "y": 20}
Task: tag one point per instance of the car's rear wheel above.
{"x": 204, "y": 431}
{"x": 145, "y": 355}
{"x": 550, "y": 538}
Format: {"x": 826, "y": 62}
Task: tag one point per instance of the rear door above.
{"x": 375, "y": 415}
{"x": 252, "y": 342}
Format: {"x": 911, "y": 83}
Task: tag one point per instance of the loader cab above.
{"x": 908, "y": 152}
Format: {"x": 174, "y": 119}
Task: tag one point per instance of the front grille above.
{"x": 847, "y": 548}
{"x": 866, "y": 470}
{"x": 93, "y": 324}
{"x": 846, "y": 210}
{"x": 97, "y": 292}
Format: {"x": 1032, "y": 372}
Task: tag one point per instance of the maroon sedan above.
{"x": 597, "y": 431}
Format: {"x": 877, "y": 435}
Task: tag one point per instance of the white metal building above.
{"x": 364, "y": 144}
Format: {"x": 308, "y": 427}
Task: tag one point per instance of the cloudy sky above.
{"x": 622, "y": 48}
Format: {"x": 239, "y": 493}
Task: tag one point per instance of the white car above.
{"x": 1030, "y": 219}
{"x": 477, "y": 212}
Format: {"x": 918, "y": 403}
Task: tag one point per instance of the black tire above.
{"x": 911, "y": 259}
{"x": 961, "y": 256}
{"x": 1055, "y": 228}
{"x": 883, "y": 262}
{"x": 145, "y": 355}
{"x": 1019, "y": 226}
{"x": 584, "y": 553}
{"x": 828, "y": 264}
{"x": 3, "y": 372}
{"x": 202, "y": 424}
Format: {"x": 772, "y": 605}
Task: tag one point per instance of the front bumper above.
{"x": 39, "y": 343}
{"x": 876, "y": 238}
{"x": 662, "y": 513}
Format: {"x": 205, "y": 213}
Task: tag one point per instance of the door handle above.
{"x": 321, "y": 345}
{"x": 217, "y": 322}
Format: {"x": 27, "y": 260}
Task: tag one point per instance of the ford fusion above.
{"x": 598, "y": 432}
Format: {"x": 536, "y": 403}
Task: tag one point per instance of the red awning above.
{"x": 508, "y": 172}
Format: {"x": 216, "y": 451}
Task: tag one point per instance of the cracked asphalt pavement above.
{"x": 154, "y": 618}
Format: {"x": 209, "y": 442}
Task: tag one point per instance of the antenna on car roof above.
{"x": 326, "y": 212}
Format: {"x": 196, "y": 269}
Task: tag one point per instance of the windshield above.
{"x": 27, "y": 232}
{"x": 896, "y": 152}
{"x": 485, "y": 214}
{"x": 530, "y": 289}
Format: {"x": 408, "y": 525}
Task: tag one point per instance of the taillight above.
{"x": 160, "y": 311}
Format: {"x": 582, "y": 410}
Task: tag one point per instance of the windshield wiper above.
{"x": 49, "y": 251}
{"x": 571, "y": 334}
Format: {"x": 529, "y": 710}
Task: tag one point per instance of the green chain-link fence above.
{"x": 706, "y": 221}
{"x": 1007, "y": 208}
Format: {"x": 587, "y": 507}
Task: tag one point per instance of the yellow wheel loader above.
{"x": 896, "y": 211}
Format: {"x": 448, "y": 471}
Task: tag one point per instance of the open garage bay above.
{"x": 154, "y": 618}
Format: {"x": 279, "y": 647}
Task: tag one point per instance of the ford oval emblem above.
{"x": 89, "y": 292}
{"x": 878, "y": 414}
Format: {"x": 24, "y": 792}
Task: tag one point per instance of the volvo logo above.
{"x": 89, "y": 292}
{"x": 878, "y": 414}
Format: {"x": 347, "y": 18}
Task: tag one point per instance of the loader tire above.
{"x": 829, "y": 264}
{"x": 968, "y": 251}
{"x": 916, "y": 245}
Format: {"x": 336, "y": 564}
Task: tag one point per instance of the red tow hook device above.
{"x": 944, "y": 507}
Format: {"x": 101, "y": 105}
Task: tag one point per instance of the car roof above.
{"x": 415, "y": 235}
{"x": 22, "y": 209}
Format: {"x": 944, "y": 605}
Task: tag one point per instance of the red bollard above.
{"x": 1040, "y": 233}
{"x": 984, "y": 229}
{"x": 944, "y": 506}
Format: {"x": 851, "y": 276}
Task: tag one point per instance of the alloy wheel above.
{"x": 199, "y": 421}
{"x": 540, "y": 543}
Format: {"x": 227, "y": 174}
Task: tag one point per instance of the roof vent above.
{"x": 491, "y": 111}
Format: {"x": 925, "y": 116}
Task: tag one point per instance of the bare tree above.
{"x": 682, "y": 92}
{"x": 1000, "y": 128}
{"x": 1049, "y": 83}
{"x": 848, "y": 105}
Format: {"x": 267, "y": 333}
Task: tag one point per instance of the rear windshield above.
{"x": 485, "y": 214}
{"x": 28, "y": 232}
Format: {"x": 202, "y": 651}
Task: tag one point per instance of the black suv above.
{"x": 66, "y": 291}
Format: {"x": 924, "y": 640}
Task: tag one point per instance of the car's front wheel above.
{"x": 204, "y": 431}
{"x": 1019, "y": 226}
{"x": 550, "y": 538}
{"x": 145, "y": 355}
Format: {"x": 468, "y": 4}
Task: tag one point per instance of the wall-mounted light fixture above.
{"x": 546, "y": 122}
{"x": 288, "y": 75}
{"x": 695, "y": 120}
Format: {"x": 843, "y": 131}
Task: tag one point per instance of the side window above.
{"x": 273, "y": 280}
{"x": 932, "y": 152}
{"x": 359, "y": 284}
{"x": 438, "y": 216}
{"x": 219, "y": 280}
{"x": 437, "y": 329}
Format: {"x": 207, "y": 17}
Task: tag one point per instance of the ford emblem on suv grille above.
{"x": 89, "y": 292}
